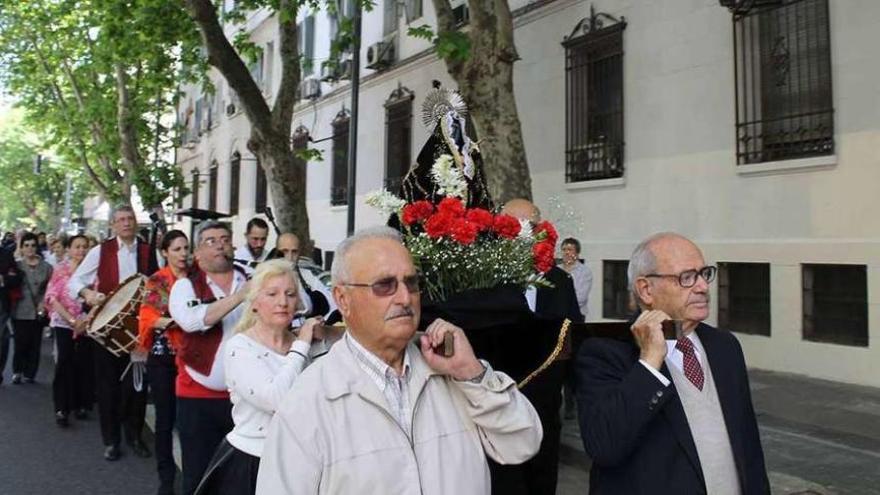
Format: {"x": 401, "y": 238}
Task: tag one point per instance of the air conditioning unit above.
{"x": 230, "y": 109}
{"x": 380, "y": 55}
{"x": 309, "y": 89}
{"x": 333, "y": 73}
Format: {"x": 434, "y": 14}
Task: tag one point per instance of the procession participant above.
{"x": 379, "y": 415}
{"x": 29, "y": 315}
{"x": 262, "y": 362}
{"x": 158, "y": 334}
{"x": 10, "y": 281}
{"x": 552, "y": 305}
{"x": 669, "y": 416}
{"x": 103, "y": 269}
{"x": 68, "y": 324}
{"x": 206, "y": 307}
{"x": 314, "y": 296}
{"x": 254, "y": 250}
{"x": 582, "y": 278}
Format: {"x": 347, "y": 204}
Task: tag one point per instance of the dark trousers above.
{"x": 118, "y": 403}
{"x": 28, "y": 338}
{"x": 538, "y": 475}
{"x": 84, "y": 365}
{"x": 231, "y": 472}
{"x": 202, "y": 424}
{"x": 162, "y": 373}
{"x": 4, "y": 338}
{"x": 70, "y": 388}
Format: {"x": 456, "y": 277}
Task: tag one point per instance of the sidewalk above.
{"x": 819, "y": 437}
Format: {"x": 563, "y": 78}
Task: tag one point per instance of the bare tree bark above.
{"x": 485, "y": 80}
{"x": 270, "y": 138}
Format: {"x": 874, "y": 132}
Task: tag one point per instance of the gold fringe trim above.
{"x": 560, "y": 343}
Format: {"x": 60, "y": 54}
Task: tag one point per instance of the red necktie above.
{"x": 692, "y": 369}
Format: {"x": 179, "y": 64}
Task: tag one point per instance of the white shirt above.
{"x": 674, "y": 357}
{"x": 189, "y": 314}
{"x": 582, "y": 277}
{"x": 87, "y": 271}
{"x": 314, "y": 284}
{"x": 243, "y": 253}
{"x": 258, "y": 379}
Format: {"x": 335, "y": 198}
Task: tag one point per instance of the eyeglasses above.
{"x": 388, "y": 286}
{"x": 689, "y": 277}
{"x": 214, "y": 241}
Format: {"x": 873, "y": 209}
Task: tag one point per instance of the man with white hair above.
{"x": 669, "y": 413}
{"x": 378, "y": 414}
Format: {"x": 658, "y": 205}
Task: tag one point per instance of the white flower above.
{"x": 448, "y": 177}
{"x": 385, "y": 202}
{"x": 525, "y": 230}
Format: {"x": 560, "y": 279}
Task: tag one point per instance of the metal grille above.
{"x": 744, "y": 297}
{"x": 339, "y": 183}
{"x": 212, "y": 187}
{"x": 398, "y": 136}
{"x": 835, "y": 304}
{"x": 782, "y": 63}
{"x": 262, "y": 189}
{"x": 615, "y": 290}
{"x": 594, "y": 105}
{"x": 234, "y": 180}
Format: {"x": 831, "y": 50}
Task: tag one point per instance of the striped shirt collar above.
{"x": 378, "y": 370}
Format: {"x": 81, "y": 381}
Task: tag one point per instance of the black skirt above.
{"x": 230, "y": 472}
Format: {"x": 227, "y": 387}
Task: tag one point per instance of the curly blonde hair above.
{"x": 265, "y": 271}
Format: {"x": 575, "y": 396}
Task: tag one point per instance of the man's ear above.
{"x": 645, "y": 291}
{"x": 342, "y": 301}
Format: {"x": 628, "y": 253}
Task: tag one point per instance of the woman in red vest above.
{"x": 159, "y": 336}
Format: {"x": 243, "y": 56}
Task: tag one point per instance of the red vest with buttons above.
{"x": 198, "y": 349}
{"x": 108, "y": 264}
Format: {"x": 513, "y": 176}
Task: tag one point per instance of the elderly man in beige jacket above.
{"x": 380, "y": 415}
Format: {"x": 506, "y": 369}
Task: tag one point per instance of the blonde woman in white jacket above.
{"x": 261, "y": 362}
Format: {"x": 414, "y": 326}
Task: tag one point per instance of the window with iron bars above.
{"x": 194, "y": 189}
{"x": 234, "y": 181}
{"x": 398, "y": 137}
{"x": 594, "y": 105}
{"x": 782, "y": 63}
{"x": 744, "y": 297}
{"x": 300, "y": 143}
{"x": 615, "y": 290}
{"x": 339, "y": 181}
{"x": 262, "y": 189}
{"x": 835, "y": 304}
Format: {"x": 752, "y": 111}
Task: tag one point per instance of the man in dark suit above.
{"x": 669, "y": 416}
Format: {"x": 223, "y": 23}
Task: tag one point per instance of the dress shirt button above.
{"x": 659, "y": 393}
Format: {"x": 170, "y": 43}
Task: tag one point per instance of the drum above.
{"x": 115, "y": 322}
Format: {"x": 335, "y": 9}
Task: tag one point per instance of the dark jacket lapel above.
{"x": 724, "y": 373}
{"x": 674, "y": 413}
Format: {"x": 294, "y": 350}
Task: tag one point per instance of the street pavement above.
{"x": 819, "y": 437}
{"x": 39, "y": 458}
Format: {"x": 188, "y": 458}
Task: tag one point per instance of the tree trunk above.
{"x": 485, "y": 80}
{"x": 270, "y": 138}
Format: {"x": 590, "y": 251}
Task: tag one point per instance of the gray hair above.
{"x": 341, "y": 271}
{"x": 118, "y": 208}
{"x": 210, "y": 225}
{"x": 643, "y": 261}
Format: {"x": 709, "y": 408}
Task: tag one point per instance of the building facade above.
{"x": 756, "y": 133}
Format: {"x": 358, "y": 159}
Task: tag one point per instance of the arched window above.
{"x": 398, "y": 136}
{"x": 234, "y": 180}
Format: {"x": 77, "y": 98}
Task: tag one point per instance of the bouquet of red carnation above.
{"x": 456, "y": 248}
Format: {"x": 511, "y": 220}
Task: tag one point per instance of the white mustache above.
{"x": 407, "y": 312}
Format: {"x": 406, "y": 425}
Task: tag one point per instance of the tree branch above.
{"x": 222, "y": 55}
{"x": 282, "y": 112}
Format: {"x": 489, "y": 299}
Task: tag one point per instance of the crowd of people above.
{"x": 237, "y": 350}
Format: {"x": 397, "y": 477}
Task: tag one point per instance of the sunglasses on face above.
{"x": 688, "y": 278}
{"x": 388, "y": 286}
